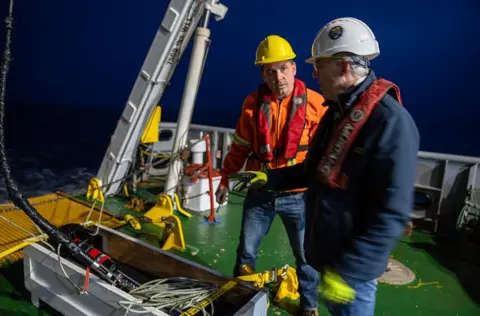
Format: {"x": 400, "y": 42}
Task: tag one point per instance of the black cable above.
{"x": 13, "y": 192}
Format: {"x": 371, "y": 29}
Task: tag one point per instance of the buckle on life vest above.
{"x": 277, "y": 152}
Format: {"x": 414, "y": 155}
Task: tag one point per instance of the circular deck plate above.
{"x": 397, "y": 274}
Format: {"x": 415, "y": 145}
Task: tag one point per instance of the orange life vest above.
{"x": 296, "y": 123}
{"x": 330, "y": 166}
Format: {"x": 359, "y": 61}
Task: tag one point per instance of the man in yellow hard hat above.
{"x": 276, "y": 125}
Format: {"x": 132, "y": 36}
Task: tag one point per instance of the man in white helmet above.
{"x": 360, "y": 169}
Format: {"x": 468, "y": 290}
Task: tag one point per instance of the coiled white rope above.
{"x": 170, "y": 294}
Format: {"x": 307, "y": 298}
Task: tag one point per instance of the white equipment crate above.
{"x": 47, "y": 283}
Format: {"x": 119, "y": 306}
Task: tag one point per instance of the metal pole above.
{"x": 192, "y": 82}
{"x": 211, "y": 218}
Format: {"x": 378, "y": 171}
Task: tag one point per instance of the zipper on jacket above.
{"x": 278, "y": 129}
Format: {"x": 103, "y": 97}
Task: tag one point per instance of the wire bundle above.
{"x": 170, "y": 294}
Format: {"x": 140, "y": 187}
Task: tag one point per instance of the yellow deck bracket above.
{"x": 179, "y": 206}
{"x": 163, "y": 208}
{"x": 94, "y": 191}
{"x": 172, "y": 234}
{"x": 150, "y": 134}
{"x": 161, "y": 214}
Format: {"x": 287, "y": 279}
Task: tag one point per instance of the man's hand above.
{"x": 333, "y": 288}
{"x": 221, "y": 194}
{"x": 252, "y": 179}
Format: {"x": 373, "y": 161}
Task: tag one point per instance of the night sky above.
{"x": 86, "y": 55}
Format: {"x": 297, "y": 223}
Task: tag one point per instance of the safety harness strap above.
{"x": 329, "y": 167}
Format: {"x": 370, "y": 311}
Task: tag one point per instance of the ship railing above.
{"x": 220, "y": 139}
{"x": 450, "y": 181}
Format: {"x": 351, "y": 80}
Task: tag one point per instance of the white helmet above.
{"x": 344, "y": 35}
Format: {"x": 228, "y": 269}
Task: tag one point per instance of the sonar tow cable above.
{"x": 113, "y": 277}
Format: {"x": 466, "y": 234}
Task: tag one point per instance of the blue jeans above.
{"x": 259, "y": 210}
{"x": 364, "y": 303}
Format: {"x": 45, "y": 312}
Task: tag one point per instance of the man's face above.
{"x": 328, "y": 72}
{"x": 280, "y": 77}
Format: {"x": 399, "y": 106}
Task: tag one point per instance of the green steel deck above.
{"x": 447, "y": 280}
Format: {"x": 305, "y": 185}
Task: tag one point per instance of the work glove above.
{"x": 251, "y": 179}
{"x": 333, "y": 288}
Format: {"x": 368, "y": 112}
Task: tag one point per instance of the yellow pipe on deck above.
{"x": 25, "y": 243}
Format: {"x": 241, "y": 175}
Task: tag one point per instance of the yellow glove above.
{"x": 334, "y": 288}
{"x": 252, "y": 179}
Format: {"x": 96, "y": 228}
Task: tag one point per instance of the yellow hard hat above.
{"x": 272, "y": 49}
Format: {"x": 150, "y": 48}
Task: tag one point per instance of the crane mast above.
{"x": 176, "y": 29}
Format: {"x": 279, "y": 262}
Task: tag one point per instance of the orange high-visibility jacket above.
{"x": 245, "y": 144}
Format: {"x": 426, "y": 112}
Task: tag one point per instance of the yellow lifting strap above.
{"x": 210, "y": 299}
{"x": 133, "y": 221}
{"x": 287, "y": 284}
{"x": 285, "y": 279}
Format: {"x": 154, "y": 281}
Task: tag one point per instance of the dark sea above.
{"x": 60, "y": 147}
{"x": 53, "y": 148}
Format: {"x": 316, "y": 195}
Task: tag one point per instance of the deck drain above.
{"x": 397, "y": 273}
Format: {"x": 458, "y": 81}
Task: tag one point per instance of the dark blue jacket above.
{"x": 355, "y": 230}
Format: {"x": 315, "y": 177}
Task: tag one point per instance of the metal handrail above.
{"x": 421, "y": 154}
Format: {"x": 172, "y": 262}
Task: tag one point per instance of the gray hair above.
{"x": 359, "y": 64}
